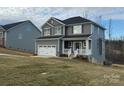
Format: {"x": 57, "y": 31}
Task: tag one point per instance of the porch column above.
{"x": 62, "y": 46}
{"x": 87, "y": 46}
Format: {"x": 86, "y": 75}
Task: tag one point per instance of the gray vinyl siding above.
{"x": 57, "y": 43}
{"x": 28, "y": 32}
{"x": 96, "y": 34}
{"x": 69, "y": 30}
{"x": 86, "y": 29}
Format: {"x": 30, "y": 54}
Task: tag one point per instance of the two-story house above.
{"x": 80, "y": 35}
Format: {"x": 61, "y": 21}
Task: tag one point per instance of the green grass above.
{"x": 56, "y": 71}
{"x": 13, "y": 52}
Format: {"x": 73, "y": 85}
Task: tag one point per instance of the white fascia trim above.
{"x": 2, "y": 29}
{"x": 45, "y": 22}
{"x": 49, "y": 24}
{"x": 57, "y": 20}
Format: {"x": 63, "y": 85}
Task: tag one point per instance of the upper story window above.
{"x": 1, "y": 34}
{"x": 46, "y": 31}
{"x": 58, "y": 30}
{"x": 77, "y": 29}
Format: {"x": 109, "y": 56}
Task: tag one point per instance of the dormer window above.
{"x": 58, "y": 30}
{"x": 46, "y": 31}
{"x": 77, "y": 29}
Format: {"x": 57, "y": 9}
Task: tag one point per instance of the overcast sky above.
{"x": 39, "y": 15}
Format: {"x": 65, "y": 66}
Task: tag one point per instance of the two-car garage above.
{"x": 46, "y": 50}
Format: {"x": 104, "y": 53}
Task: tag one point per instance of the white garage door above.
{"x": 47, "y": 50}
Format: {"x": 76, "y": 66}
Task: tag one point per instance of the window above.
{"x": 58, "y": 30}
{"x": 84, "y": 44}
{"x": 19, "y": 36}
{"x": 46, "y": 31}
{"x": 77, "y": 29}
{"x": 89, "y": 44}
{"x": 1, "y": 34}
{"x": 67, "y": 44}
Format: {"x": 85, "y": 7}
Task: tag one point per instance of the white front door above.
{"x": 47, "y": 50}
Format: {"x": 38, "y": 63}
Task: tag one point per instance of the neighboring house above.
{"x": 2, "y": 38}
{"x": 19, "y": 36}
{"x": 76, "y": 34}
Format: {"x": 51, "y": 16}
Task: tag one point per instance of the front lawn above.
{"x": 15, "y": 70}
{"x": 13, "y": 52}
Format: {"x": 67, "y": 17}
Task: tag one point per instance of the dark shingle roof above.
{"x": 58, "y": 19}
{"x": 77, "y": 19}
{"x": 70, "y": 36}
{"x": 8, "y": 26}
{"x": 75, "y": 36}
{"x": 74, "y": 20}
{"x": 48, "y": 37}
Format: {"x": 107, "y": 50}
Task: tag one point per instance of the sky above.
{"x": 38, "y": 15}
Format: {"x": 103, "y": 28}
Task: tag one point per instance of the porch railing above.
{"x": 80, "y": 51}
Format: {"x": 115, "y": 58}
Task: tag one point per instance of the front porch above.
{"x": 79, "y": 47}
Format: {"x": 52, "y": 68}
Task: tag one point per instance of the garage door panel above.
{"x": 45, "y": 50}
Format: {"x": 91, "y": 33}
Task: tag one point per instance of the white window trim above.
{"x": 58, "y": 33}
{"x": 44, "y": 31}
{"x": 81, "y": 29}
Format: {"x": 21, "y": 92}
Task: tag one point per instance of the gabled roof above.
{"x": 58, "y": 19}
{"x": 74, "y": 20}
{"x": 78, "y": 19}
{"x": 8, "y": 26}
{"x": 46, "y": 37}
{"x": 69, "y": 36}
{"x": 1, "y": 28}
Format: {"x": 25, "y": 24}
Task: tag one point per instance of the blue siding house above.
{"x": 21, "y": 36}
